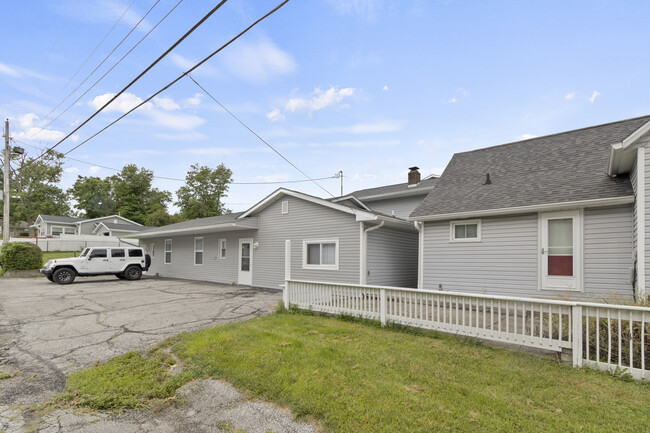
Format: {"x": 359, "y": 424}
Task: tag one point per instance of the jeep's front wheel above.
{"x": 133, "y": 273}
{"x": 120, "y": 276}
{"x": 50, "y": 277}
{"x": 64, "y": 275}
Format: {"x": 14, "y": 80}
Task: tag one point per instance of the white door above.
{"x": 245, "y": 262}
{"x": 98, "y": 261}
{"x": 560, "y": 250}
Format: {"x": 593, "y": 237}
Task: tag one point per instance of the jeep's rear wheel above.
{"x": 64, "y": 276}
{"x": 133, "y": 273}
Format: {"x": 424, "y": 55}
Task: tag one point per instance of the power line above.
{"x": 175, "y": 178}
{"x": 147, "y": 69}
{"x": 47, "y": 54}
{"x": 99, "y": 44}
{"x": 172, "y": 82}
{"x": 93, "y": 71}
{"x": 257, "y": 135}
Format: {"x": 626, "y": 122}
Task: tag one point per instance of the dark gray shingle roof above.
{"x": 398, "y": 187}
{"x": 60, "y": 219}
{"x": 199, "y": 222}
{"x": 125, "y": 227}
{"x": 557, "y": 168}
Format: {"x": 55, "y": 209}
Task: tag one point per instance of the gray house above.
{"x": 54, "y": 225}
{"x": 315, "y": 239}
{"x": 561, "y": 216}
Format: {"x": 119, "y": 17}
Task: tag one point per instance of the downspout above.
{"x": 364, "y": 251}
{"x": 419, "y": 226}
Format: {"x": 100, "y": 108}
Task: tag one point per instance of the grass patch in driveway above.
{"x": 356, "y": 377}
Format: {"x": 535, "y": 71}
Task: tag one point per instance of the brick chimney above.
{"x": 414, "y": 176}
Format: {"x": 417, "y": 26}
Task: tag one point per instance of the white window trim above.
{"x": 165, "y": 252}
{"x": 199, "y": 251}
{"x": 285, "y": 207}
{"x": 578, "y": 249}
{"x": 452, "y": 231}
{"x": 334, "y": 267}
{"x": 223, "y": 245}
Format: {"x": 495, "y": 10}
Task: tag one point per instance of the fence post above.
{"x": 382, "y": 306}
{"x": 287, "y": 272}
{"x": 576, "y": 334}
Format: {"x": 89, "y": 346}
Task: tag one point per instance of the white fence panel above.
{"x": 602, "y": 336}
{"x": 76, "y": 242}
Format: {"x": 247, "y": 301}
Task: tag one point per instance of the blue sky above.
{"x": 368, "y": 87}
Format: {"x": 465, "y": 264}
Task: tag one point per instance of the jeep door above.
{"x": 98, "y": 262}
{"x": 118, "y": 260}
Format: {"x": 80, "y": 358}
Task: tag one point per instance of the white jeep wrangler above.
{"x": 124, "y": 263}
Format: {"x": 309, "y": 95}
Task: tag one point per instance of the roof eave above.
{"x": 249, "y": 224}
{"x": 423, "y": 190}
{"x": 546, "y": 207}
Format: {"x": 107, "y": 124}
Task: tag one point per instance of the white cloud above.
{"x": 320, "y": 99}
{"x": 360, "y": 143}
{"x": 8, "y": 70}
{"x": 359, "y": 128}
{"x": 428, "y": 144}
{"x": 463, "y": 92}
{"x": 166, "y": 104}
{"x": 194, "y": 100}
{"x": 177, "y": 121}
{"x": 181, "y": 136}
{"x": 125, "y": 102}
{"x": 570, "y": 96}
{"x": 258, "y": 61}
{"x": 184, "y": 64}
{"x": 384, "y": 88}
{"x": 275, "y": 115}
{"x": 452, "y": 101}
{"x": 71, "y": 170}
{"x": 217, "y": 151}
{"x": 27, "y": 130}
{"x": 525, "y": 137}
{"x": 94, "y": 169}
{"x": 364, "y": 8}
{"x": 594, "y": 96}
{"x": 180, "y": 61}
{"x": 27, "y": 120}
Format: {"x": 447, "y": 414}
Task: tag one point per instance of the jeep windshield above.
{"x": 84, "y": 252}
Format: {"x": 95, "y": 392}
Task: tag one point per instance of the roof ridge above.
{"x": 554, "y": 134}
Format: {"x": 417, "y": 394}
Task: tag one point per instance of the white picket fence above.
{"x": 76, "y": 242}
{"x": 618, "y": 342}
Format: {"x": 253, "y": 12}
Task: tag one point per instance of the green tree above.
{"x": 94, "y": 196}
{"x": 34, "y": 187}
{"x": 204, "y": 191}
{"x": 134, "y": 196}
{"x": 162, "y": 218}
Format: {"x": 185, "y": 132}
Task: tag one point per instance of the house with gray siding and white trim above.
{"x": 324, "y": 240}
{"x": 561, "y": 216}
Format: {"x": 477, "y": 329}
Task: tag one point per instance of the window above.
{"x": 222, "y": 248}
{"x": 285, "y": 207}
{"x": 69, "y": 230}
{"x": 56, "y": 231}
{"x": 168, "y": 251}
{"x": 560, "y": 253}
{"x": 99, "y": 252}
{"x": 135, "y": 253}
{"x": 465, "y": 231}
{"x": 321, "y": 254}
{"x": 115, "y": 252}
{"x": 198, "y": 251}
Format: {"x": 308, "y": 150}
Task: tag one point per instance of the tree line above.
{"x": 130, "y": 193}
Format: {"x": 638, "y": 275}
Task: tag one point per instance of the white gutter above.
{"x": 364, "y": 251}
{"x": 419, "y": 226}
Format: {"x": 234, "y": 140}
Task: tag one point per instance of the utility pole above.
{"x": 5, "y": 185}
{"x": 340, "y": 176}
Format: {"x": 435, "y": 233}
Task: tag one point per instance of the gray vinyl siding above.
{"x": 305, "y": 221}
{"x": 647, "y": 205}
{"x": 608, "y": 251}
{"x": 392, "y": 258}
{"x": 503, "y": 263}
{"x": 506, "y": 261}
{"x": 182, "y": 263}
{"x": 403, "y": 206}
{"x": 633, "y": 180}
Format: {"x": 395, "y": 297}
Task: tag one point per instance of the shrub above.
{"x": 20, "y": 256}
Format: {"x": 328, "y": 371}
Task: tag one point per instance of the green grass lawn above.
{"x": 356, "y": 377}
